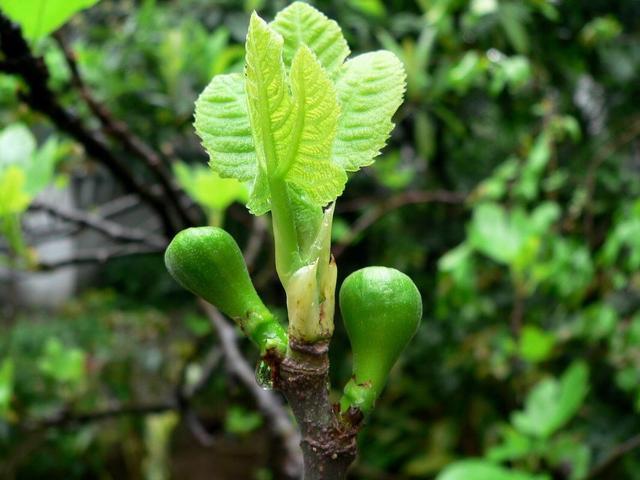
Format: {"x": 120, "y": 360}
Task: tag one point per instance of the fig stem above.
{"x": 328, "y": 443}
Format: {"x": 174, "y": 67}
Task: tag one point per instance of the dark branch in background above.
{"x": 112, "y": 208}
{"x": 69, "y": 419}
{"x": 380, "y": 209}
{"x": 630, "y": 133}
{"x": 111, "y": 229}
{"x": 614, "y": 455}
{"x": 99, "y": 256}
{"x": 119, "y": 131}
{"x": 20, "y": 61}
{"x": 278, "y": 420}
{"x": 266, "y": 401}
{"x": 256, "y": 239}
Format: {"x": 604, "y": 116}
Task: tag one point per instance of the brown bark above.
{"x": 328, "y": 442}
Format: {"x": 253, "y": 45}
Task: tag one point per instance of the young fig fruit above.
{"x": 208, "y": 262}
{"x": 381, "y": 309}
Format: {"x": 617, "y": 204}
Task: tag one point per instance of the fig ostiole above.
{"x": 208, "y": 262}
{"x": 381, "y": 310}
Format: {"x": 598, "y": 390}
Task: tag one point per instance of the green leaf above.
{"x": 536, "y": 345}
{"x": 301, "y": 24}
{"x": 41, "y": 17}
{"x": 552, "y": 403}
{"x": 17, "y": 144}
{"x": 13, "y": 198}
{"x": 208, "y": 189}
{"x": 513, "y": 17}
{"x": 492, "y": 233}
{"x": 370, "y": 90}
{"x": 222, "y": 123}
{"x": 6, "y": 386}
{"x": 293, "y": 132}
{"x": 18, "y": 149}
{"x": 309, "y": 164}
{"x": 62, "y": 363}
{"x": 270, "y": 107}
{"x": 373, "y": 8}
{"x": 483, "y": 470}
{"x": 41, "y": 169}
{"x": 514, "y": 446}
{"x": 463, "y": 74}
{"x": 240, "y": 421}
{"x": 570, "y": 451}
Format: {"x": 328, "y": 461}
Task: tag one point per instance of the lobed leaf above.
{"x": 370, "y": 90}
{"x": 301, "y": 24}
{"x": 316, "y": 120}
{"x": 222, "y": 123}
{"x": 552, "y": 403}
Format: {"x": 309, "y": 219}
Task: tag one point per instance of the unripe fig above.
{"x": 381, "y": 309}
{"x": 208, "y": 262}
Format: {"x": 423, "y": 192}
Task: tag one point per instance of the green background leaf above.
{"x": 39, "y": 18}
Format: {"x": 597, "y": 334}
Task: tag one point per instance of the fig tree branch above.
{"x": 111, "y": 229}
{"x": 71, "y": 419}
{"x": 614, "y": 456}
{"x": 266, "y": 401}
{"x": 120, "y": 132}
{"x": 379, "y": 210}
{"x": 99, "y": 256}
{"x": 19, "y": 60}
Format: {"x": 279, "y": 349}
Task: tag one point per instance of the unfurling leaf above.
{"x": 316, "y": 117}
{"x": 270, "y": 103}
{"x": 301, "y": 117}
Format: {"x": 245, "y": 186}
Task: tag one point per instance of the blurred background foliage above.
{"x": 510, "y": 191}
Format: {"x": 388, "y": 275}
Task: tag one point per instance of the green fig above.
{"x": 381, "y": 309}
{"x": 208, "y": 262}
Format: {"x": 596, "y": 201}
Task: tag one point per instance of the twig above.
{"x": 117, "y": 206}
{"x": 20, "y": 61}
{"x": 111, "y": 229}
{"x": 256, "y": 239}
{"x": 196, "y": 427}
{"x": 129, "y": 140}
{"x": 631, "y": 132}
{"x": 405, "y": 198}
{"x": 371, "y": 216}
{"x": 68, "y": 419}
{"x": 98, "y": 256}
{"x": 267, "y": 402}
{"x": 613, "y": 456}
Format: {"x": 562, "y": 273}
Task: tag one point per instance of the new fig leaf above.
{"x": 301, "y": 24}
{"x": 300, "y": 117}
{"x": 370, "y": 90}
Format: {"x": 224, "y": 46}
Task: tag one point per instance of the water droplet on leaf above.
{"x": 263, "y": 375}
